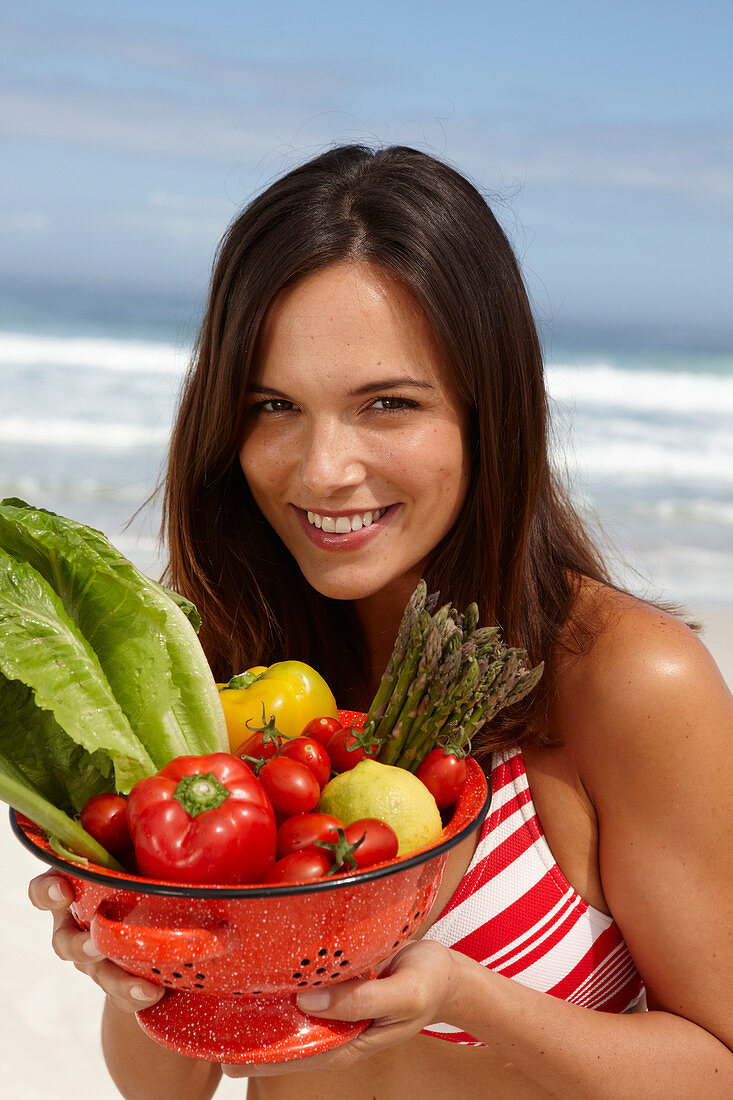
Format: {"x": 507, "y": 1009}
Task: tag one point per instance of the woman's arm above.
{"x": 141, "y": 1069}
{"x": 573, "y": 1053}
{"x": 651, "y": 726}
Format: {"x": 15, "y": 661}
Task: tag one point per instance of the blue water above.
{"x": 645, "y": 439}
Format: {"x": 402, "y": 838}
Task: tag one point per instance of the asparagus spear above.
{"x": 425, "y": 671}
{"x": 405, "y": 678}
{"x": 414, "y": 606}
{"x": 446, "y": 677}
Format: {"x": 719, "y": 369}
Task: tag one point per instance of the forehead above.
{"x": 349, "y": 315}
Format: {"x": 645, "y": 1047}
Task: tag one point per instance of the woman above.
{"x": 367, "y": 407}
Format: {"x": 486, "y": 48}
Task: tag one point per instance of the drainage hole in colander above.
{"x": 321, "y": 970}
{"x": 318, "y": 983}
{"x": 305, "y": 962}
{"x": 167, "y": 981}
{"x": 302, "y": 983}
{"x": 323, "y": 951}
{"x": 406, "y": 928}
{"x": 396, "y": 943}
{"x": 189, "y": 965}
{"x": 237, "y": 993}
{"x": 155, "y": 970}
{"x": 198, "y": 985}
{"x": 176, "y": 974}
{"x": 344, "y": 962}
{"x": 200, "y": 977}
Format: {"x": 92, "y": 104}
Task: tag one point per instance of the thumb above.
{"x": 342, "y": 1001}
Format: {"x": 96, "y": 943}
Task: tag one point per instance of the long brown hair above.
{"x": 518, "y": 548}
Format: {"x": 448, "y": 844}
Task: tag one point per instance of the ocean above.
{"x": 645, "y": 439}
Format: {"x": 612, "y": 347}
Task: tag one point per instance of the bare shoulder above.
{"x": 647, "y": 679}
{"x": 650, "y": 726}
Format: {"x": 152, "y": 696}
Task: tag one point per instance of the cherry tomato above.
{"x": 345, "y": 751}
{"x": 292, "y": 787}
{"x": 310, "y": 752}
{"x": 379, "y": 843}
{"x": 259, "y": 746}
{"x": 321, "y": 729}
{"x": 301, "y": 866}
{"x": 444, "y": 774}
{"x": 303, "y": 830}
{"x": 105, "y": 818}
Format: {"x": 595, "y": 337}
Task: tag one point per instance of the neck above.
{"x": 380, "y": 616}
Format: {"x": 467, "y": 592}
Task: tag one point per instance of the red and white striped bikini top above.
{"x": 515, "y": 912}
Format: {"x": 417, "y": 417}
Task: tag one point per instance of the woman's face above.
{"x": 354, "y": 447}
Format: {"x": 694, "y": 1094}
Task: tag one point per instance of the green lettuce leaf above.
{"x": 43, "y": 649}
{"x": 18, "y": 792}
{"x": 60, "y": 769}
{"x": 143, "y": 636}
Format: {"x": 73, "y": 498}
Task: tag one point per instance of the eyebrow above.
{"x": 369, "y": 387}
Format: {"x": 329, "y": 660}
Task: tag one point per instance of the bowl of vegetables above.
{"x": 106, "y": 696}
{"x": 233, "y": 958}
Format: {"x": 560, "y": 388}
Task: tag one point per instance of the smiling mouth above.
{"x": 341, "y": 525}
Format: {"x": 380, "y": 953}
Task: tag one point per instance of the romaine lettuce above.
{"x": 102, "y": 677}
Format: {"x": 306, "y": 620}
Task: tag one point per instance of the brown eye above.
{"x": 272, "y": 405}
{"x": 393, "y": 404}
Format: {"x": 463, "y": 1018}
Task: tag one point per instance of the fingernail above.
{"x": 139, "y": 994}
{"x": 55, "y": 892}
{"x": 89, "y": 949}
{"x": 314, "y": 1000}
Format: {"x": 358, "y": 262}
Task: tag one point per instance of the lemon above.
{"x": 394, "y": 795}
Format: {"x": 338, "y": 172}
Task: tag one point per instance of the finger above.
{"x": 409, "y": 989}
{"x": 51, "y": 891}
{"x": 127, "y": 992}
{"x": 348, "y": 1001}
{"x": 71, "y": 942}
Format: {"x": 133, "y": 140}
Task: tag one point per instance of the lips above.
{"x": 347, "y": 531}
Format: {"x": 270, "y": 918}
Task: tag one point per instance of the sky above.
{"x": 133, "y": 131}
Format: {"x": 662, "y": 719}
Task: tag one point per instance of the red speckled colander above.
{"x": 233, "y": 957}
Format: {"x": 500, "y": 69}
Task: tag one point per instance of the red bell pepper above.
{"x": 202, "y": 819}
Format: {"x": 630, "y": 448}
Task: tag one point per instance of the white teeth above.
{"x": 342, "y": 524}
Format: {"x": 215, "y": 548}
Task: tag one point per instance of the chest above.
{"x": 566, "y": 817}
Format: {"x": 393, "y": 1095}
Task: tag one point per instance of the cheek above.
{"x": 446, "y": 465}
{"x": 262, "y": 463}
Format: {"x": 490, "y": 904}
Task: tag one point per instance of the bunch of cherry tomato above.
{"x": 276, "y": 800}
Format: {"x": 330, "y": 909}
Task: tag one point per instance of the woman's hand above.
{"x": 127, "y": 993}
{"x": 415, "y": 988}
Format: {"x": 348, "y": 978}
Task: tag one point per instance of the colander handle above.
{"x": 120, "y": 939}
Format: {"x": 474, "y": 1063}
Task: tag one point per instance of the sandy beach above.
{"x": 49, "y": 1039}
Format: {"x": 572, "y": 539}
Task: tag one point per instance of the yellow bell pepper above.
{"x": 291, "y": 691}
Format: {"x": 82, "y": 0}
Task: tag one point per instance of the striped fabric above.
{"x": 515, "y": 912}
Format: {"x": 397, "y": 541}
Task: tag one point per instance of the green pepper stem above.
{"x": 198, "y": 793}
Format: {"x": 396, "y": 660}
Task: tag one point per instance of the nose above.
{"x": 332, "y": 458}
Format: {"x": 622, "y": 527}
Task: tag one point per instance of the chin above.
{"x": 344, "y": 588}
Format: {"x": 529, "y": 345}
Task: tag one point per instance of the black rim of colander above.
{"x": 146, "y": 886}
